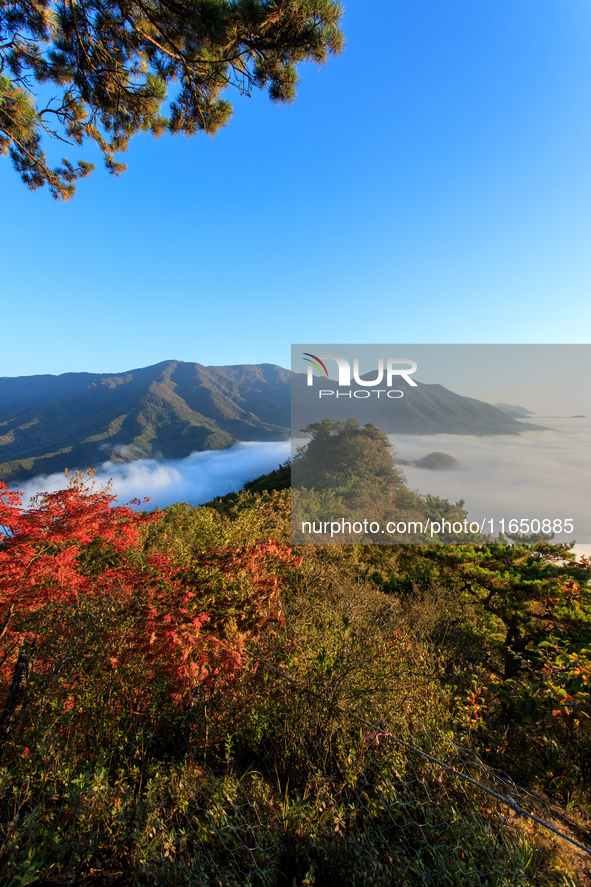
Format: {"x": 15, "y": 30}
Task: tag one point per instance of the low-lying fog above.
{"x": 196, "y": 479}
{"x": 536, "y": 475}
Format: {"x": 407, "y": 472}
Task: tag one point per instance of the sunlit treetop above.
{"x": 125, "y": 66}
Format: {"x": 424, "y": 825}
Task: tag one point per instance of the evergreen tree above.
{"x": 348, "y": 471}
{"x": 343, "y": 450}
{"x": 113, "y": 62}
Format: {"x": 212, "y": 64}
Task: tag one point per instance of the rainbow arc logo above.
{"x": 315, "y": 361}
{"x": 388, "y": 369}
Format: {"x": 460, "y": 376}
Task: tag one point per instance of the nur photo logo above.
{"x": 389, "y": 367}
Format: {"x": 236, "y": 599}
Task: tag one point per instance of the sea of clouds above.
{"x": 195, "y": 479}
{"x": 536, "y": 475}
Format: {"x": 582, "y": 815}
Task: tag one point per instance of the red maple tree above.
{"x": 183, "y": 625}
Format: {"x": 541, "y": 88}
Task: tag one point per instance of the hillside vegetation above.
{"x": 172, "y": 409}
{"x": 348, "y": 472}
{"x": 187, "y": 699}
{"x": 49, "y": 423}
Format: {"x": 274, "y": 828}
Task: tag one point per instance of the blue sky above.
{"x": 432, "y": 184}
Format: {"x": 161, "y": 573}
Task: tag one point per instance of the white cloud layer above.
{"x": 539, "y": 474}
{"x": 534, "y": 476}
{"x": 196, "y": 479}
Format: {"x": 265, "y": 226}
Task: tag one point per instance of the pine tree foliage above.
{"x": 111, "y": 65}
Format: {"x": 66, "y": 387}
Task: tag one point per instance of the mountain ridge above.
{"x": 172, "y": 408}
{"x": 166, "y": 410}
{"x": 428, "y": 408}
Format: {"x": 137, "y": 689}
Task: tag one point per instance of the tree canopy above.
{"x": 340, "y": 449}
{"x": 348, "y": 471}
{"x": 110, "y": 66}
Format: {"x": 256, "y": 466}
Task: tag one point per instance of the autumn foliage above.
{"x": 180, "y": 698}
{"x": 75, "y": 583}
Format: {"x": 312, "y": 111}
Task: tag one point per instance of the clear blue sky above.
{"x": 433, "y": 184}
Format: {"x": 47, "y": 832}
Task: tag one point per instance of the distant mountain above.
{"x": 171, "y": 409}
{"x": 513, "y": 410}
{"x": 78, "y": 420}
{"x": 426, "y": 409}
